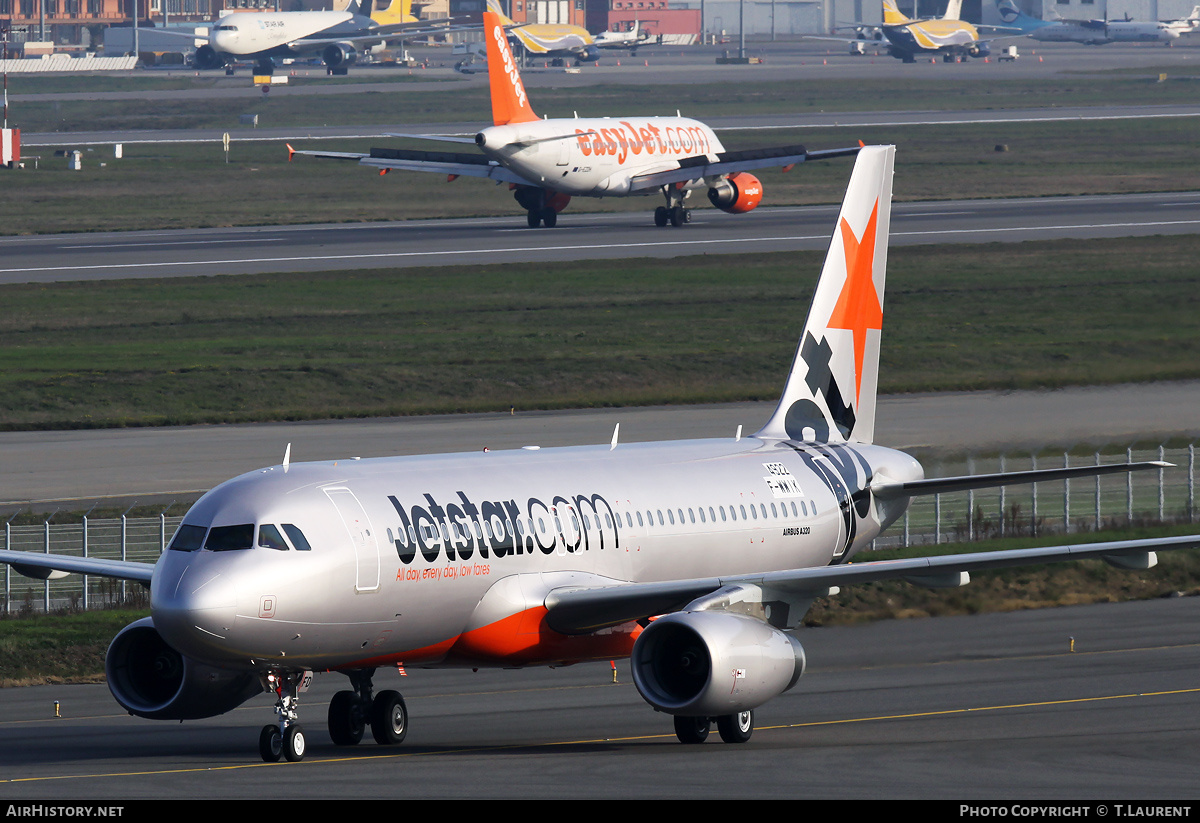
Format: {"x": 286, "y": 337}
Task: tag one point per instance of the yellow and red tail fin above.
{"x": 509, "y": 101}
{"x": 830, "y": 392}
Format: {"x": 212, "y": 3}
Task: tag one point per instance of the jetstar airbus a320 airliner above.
{"x": 697, "y": 559}
{"x": 547, "y": 162}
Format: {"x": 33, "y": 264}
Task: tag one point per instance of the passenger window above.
{"x": 299, "y": 542}
{"x": 640, "y": 523}
{"x": 188, "y": 538}
{"x": 230, "y": 538}
{"x": 270, "y": 538}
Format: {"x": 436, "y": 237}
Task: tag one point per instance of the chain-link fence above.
{"x": 1059, "y": 507}
{"x": 127, "y": 538}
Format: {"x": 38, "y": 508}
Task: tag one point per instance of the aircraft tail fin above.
{"x": 510, "y": 104}
{"x": 892, "y": 15}
{"x": 495, "y": 8}
{"x": 391, "y": 13}
{"x": 953, "y": 10}
{"x": 831, "y": 390}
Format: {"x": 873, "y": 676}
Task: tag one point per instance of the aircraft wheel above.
{"x": 549, "y": 217}
{"x": 680, "y": 215}
{"x": 294, "y": 744}
{"x": 736, "y": 728}
{"x": 346, "y": 721}
{"x": 533, "y": 217}
{"x": 389, "y": 718}
{"x": 661, "y": 216}
{"x": 691, "y": 729}
{"x": 270, "y": 744}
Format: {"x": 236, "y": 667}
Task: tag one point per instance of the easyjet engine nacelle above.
{"x": 338, "y": 54}
{"x": 150, "y": 679}
{"x": 713, "y": 663}
{"x": 737, "y": 193}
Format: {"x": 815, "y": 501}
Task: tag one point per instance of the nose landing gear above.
{"x": 285, "y": 738}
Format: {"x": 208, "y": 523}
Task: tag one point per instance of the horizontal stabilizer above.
{"x": 886, "y": 491}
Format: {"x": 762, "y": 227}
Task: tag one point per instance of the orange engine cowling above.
{"x": 737, "y": 193}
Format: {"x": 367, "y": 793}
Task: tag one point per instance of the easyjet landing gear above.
{"x": 351, "y": 711}
{"x": 285, "y": 738}
{"x": 540, "y": 205}
{"x": 546, "y": 216}
{"x": 733, "y": 728}
{"x": 674, "y": 212}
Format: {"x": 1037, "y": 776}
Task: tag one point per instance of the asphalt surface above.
{"x": 196, "y": 252}
{"x": 992, "y": 707}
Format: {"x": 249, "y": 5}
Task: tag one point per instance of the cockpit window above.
{"x": 230, "y": 538}
{"x": 188, "y": 538}
{"x": 227, "y": 28}
{"x": 297, "y": 538}
{"x": 270, "y": 538}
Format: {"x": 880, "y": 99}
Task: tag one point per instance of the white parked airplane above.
{"x": 547, "y": 162}
{"x": 1186, "y": 25}
{"x": 1088, "y": 32}
{"x": 336, "y": 36}
{"x": 629, "y": 39}
{"x": 695, "y": 558}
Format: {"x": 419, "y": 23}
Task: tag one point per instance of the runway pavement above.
{"x": 991, "y": 707}
{"x": 196, "y": 252}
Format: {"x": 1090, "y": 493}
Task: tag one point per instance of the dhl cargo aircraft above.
{"x": 697, "y": 559}
{"x": 547, "y": 162}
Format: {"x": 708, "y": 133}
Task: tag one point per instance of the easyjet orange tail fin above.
{"x": 509, "y": 101}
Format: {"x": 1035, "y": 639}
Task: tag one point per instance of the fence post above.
{"x": 970, "y": 503}
{"x": 937, "y": 519}
{"x": 1033, "y": 514}
{"x": 1161, "y": 491}
{"x": 1191, "y": 504}
{"x": 906, "y": 528}
{"x": 123, "y": 522}
{"x": 1066, "y": 496}
{"x": 1002, "y": 498}
{"x": 1129, "y": 488}
{"x": 85, "y": 554}
{"x": 1096, "y": 525}
{"x": 46, "y": 582}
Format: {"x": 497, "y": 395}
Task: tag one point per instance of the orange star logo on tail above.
{"x": 858, "y": 308}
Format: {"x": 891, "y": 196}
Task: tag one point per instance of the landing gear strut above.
{"x": 674, "y": 212}
{"x": 285, "y": 738}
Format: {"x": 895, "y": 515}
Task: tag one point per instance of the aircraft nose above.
{"x": 194, "y": 609}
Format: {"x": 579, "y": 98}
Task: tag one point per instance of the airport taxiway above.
{"x": 252, "y": 250}
{"x": 984, "y": 707}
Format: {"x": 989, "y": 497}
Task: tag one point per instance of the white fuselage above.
{"x": 273, "y": 33}
{"x": 1098, "y": 32}
{"x": 597, "y": 157}
{"x": 442, "y": 559}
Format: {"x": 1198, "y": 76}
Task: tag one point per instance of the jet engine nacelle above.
{"x": 737, "y": 193}
{"x": 338, "y": 54}
{"x": 980, "y": 50}
{"x": 150, "y": 679}
{"x": 712, "y": 663}
{"x": 207, "y": 57}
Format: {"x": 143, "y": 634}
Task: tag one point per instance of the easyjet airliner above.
{"x": 547, "y": 162}
{"x": 697, "y": 559}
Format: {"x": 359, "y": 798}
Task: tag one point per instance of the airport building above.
{"x": 81, "y": 23}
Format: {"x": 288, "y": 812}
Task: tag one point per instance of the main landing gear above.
{"x": 350, "y": 712}
{"x": 674, "y": 212}
{"x": 734, "y": 728}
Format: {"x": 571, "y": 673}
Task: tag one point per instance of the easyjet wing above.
{"x": 732, "y": 162}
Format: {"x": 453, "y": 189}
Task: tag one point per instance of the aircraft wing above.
{"x": 885, "y": 490}
{"x": 439, "y": 162}
{"x": 580, "y": 610}
{"x": 39, "y": 565}
{"x": 730, "y": 162}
